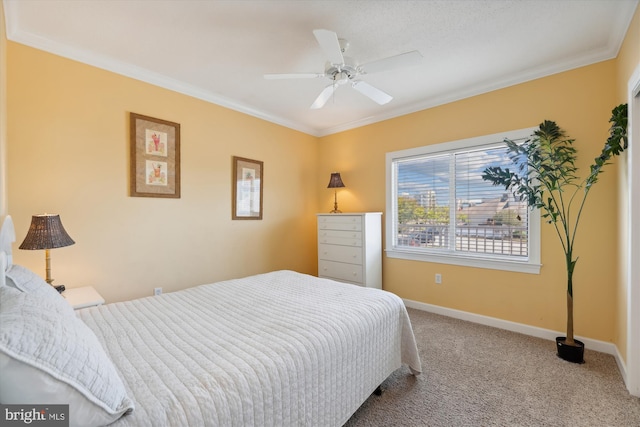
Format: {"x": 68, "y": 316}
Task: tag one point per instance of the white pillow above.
{"x": 46, "y": 356}
{"x": 27, "y": 281}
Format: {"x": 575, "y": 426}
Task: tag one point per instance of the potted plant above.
{"x": 547, "y": 179}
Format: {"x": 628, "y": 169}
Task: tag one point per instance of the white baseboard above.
{"x": 621, "y": 366}
{"x": 534, "y": 331}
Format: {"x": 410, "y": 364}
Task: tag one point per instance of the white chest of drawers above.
{"x": 350, "y": 248}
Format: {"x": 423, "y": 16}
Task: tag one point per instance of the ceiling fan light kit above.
{"x": 341, "y": 70}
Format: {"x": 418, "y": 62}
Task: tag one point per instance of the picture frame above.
{"x": 247, "y": 183}
{"x": 154, "y": 157}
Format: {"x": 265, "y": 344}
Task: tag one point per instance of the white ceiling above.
{"x": 219, "y": 50}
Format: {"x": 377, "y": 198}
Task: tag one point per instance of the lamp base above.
{"x": 335, "y": 203}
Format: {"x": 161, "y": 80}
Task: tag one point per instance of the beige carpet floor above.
{"x": 475, "y": 375}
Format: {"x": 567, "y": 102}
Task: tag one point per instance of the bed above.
{"x": 275, "y": 349}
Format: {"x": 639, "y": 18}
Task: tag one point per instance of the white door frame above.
{"x": 633, "y": 252}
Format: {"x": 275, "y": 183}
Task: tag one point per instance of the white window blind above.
{"x": 442, "y": 210}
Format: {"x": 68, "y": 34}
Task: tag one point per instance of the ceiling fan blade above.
{"x": 328, "y": 41}
{"x": 323, "y": 97}
{"x": 407, "y": 59}
{"x": 293, "y": 76}
{"x": 374, "y": 93}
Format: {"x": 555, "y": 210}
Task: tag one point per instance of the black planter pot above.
{"x": 570, "y": 353}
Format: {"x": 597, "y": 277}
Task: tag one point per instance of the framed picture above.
{"x": 247, "y": 188}
{"x": 155, "y": 157}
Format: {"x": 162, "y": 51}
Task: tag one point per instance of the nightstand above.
{"x": 83, "y": 297}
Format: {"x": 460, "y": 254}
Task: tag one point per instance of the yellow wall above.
{"x": 579, "y": 101}
{"x": 3, "y": 114}
{"x": 629, "y": 56}
{"x": 627, "y": 62}
{"x": 68, "y": 153}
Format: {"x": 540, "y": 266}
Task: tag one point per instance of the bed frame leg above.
{"x": 378, "y": 391}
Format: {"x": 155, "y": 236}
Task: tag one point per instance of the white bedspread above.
{"x": 277, "y": 349}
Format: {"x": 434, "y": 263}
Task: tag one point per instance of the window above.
{"x": 439, "y": 209}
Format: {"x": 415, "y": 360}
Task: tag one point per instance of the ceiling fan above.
{"x": 341, "y": 69}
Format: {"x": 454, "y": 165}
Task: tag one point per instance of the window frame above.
{"x": 531, "y": 265}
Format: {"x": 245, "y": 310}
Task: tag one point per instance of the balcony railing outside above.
{"x": 489, "y": 239}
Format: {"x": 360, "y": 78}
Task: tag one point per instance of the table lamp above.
{"x": 46, "y": 232}
{"x": 335, "y": 182}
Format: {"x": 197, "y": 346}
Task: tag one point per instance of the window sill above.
{"x": 466, "y": 261}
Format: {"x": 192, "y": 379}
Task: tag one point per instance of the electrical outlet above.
{"x": 157, "y": 291}
{"x": 438, "y": 278}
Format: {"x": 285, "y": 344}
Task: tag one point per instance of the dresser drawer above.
{"x": 351, "y": 255}
{"x": 340, "y": 237}
{"x": 340, "y": 222}
{"x": 340, "y": 271}
{"x": 350, "y": 248}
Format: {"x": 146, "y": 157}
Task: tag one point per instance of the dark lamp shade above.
{"x": 46, "y": 232}
{"x": 335, "y": 181}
